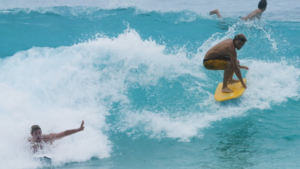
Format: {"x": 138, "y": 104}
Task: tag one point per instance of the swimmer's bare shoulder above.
{"x": 29, "y": 139}
{"x": 45, "y": 138}
{"x": 256, "y": 13}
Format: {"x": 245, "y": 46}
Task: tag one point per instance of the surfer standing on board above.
{"x": 38, "y": 139}
{"x": 262, "y": 5}
{"x": 223, "y": 56}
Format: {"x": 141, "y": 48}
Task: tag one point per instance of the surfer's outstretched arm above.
{"x": 56, "y": 136}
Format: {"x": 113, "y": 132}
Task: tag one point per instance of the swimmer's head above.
{"x": 262, "y": 4}
{"x": 239, "y": 41}
{"x": 36, "y": 133}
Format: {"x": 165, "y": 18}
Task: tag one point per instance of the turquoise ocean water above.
{"x": 132, "y": 70}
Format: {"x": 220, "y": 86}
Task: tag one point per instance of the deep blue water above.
{"x": 136, "y": 78}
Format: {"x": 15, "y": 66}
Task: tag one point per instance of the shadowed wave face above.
{"x": 133, "y": 72}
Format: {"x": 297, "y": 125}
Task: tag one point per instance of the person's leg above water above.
{"x": 231, "y": 80}
{"x": 221, "y": 64}
{"x": 216, "y": 11}
{"x": 228, "y": 73}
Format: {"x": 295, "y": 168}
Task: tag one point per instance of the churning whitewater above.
{"x": 133, "y": 71}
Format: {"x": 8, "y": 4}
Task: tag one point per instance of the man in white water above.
{"x": 223, "y": 56}
{"x": 38, "y": 139}
{"x": 262, "y": 6}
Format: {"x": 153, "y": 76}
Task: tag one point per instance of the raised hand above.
{"x": 81, "y": 126}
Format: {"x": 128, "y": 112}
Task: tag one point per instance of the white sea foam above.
{"x": 268, "y": 82}
{"x": 58, "y": 87}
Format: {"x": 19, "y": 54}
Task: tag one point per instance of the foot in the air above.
{"x": 214, "y": 11}
{"x": 226, "y": 90}
{"x": 233, "y": 81}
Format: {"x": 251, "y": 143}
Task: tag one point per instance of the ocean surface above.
{"x": 132, "y": 70}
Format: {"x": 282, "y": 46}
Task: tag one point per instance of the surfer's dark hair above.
{"x": 262, "y": 4}
{"x": 240, "y": 37}
{"x": 34, "y": 127}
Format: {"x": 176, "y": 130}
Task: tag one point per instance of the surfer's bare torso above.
{"x": 224, "y": 50}
{"x": 40, "y": 143}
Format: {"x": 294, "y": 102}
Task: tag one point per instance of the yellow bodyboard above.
{"x": 237, "y": 88}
